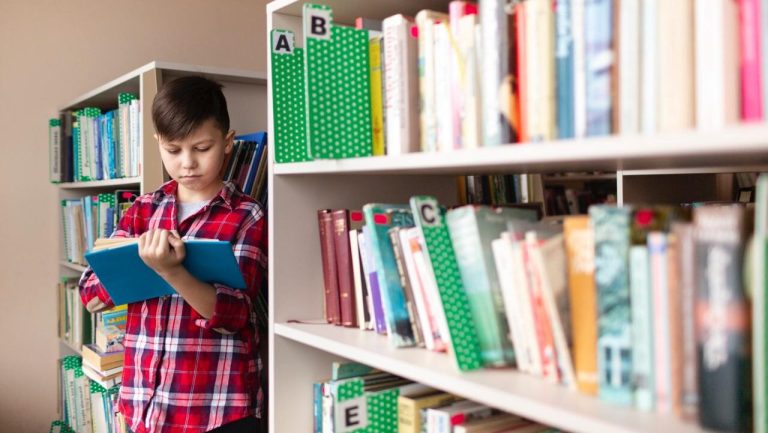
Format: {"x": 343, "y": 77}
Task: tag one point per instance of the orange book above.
{"x": 579, "y": 244}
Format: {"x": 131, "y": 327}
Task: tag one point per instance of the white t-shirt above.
{"x": 187, "y": 209}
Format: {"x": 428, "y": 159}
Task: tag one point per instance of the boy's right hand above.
{"x": 162, "y": 250}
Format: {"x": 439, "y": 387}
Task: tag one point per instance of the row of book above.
{"x": 360, "y": 398}
{"x": 604, "y": 303}
{"x": 87, "y": 144}
{"x": 87, "y": 406}
{"x": 489, "y": 73}
{"x": 562, "y": 199}
{"x": 247, "y": 165}
{"x": 91, "y": 217}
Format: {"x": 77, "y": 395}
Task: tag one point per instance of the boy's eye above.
{"x": 203, "y": 149}
{"x": 172, "y": 150}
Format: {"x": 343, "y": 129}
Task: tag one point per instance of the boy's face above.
{"x": 195, "y": 162}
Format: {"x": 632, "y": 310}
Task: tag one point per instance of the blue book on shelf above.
{"x": 564, "y": 63}
{"x": 599, "y": 61}
{"x": 260, "y": 138}
{"x": 127, "y": 279}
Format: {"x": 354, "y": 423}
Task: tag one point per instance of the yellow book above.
{"x": 409, "y": 409}
{"x": 579, "y": 244}
{"x": 377, "y": 100}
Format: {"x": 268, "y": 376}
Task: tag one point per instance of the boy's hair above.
{"x": 182, "y": 105}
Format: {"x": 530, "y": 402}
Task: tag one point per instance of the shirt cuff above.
{"x": 230, "y": 313}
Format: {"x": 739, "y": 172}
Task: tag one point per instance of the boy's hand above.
{"x": 162, "y": 250}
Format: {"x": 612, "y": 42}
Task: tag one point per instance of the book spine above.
{"x": 330, "y": 274}
{"x": 657, "y": 251}
{"x": 405, "y": 282}
{"x": 722, "y": 320}
{"x": 599, "y": 63}
{"x": 751, "y": 80}
{"x": 629, "y": 67}
{"x": 564, "y": 59}
{"x": 344, "y": 267}
{"x": 764, "y": 63}
{"x": 675, "y": 97}
{"x": 614, "y": 347}
{"x": 401, "y": 80}
{"x": 416, "y": 283}
{"x": 502, "y": 253}
{"x": 759, "y": 307}
{"x": 425, "y": 20}
{"x": 675, "y": 325}
{"x": 373, "y": 282}
{"x": 377, "y": 102}
{"x": 443, "y": 103}
{"x": 54, "y": 150}
{"x": 685, "y": 246}
{"x": 642, "y": 327}
{"x": 649, "y": 72}
{"x": 579, "y": 242}
{"x": 357, "y": 274}
{"x": 434, "y": 306}
{"x": 579, "y": 69}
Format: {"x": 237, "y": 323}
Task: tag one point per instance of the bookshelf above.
{"x": 246, "y": 97}
{"x": 300, "y": 354}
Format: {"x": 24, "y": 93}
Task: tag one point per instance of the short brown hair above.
{"x": 182, "y": 105}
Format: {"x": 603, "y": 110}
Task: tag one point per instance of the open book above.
{"x": 128, "y": 279}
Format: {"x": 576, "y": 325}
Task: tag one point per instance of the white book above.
{"x": 676, "y": 77}
{"x": 401, "y": 81}
{"x": 135, "y": 123}
{"x": 649, "y": 74}
{"x": 99, "y": 420}
{"x": 717, "y": 65}
{"x": 502, "y": 255}
{"x": 357, "y": 278}
{"x": 662, "y": 367}
{"x": 579, "y": 70}
{"x": 494, "y": 69}
{"x": 540, "y": 48}
{"x": 419, "y": 296}
{"x": 425, "y": 20}
{"x": 470, "y": 89}
{"x": 54, "y": 150}
{"x": 629, "y": 67}
{"x": 442, "y": 83}
{"x": 367, "y": 268}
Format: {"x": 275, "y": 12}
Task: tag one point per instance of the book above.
{"x": 684, "y": 233}
{"x": 750, "y": 60}
{"x": 369, "y": 268}
{"x": 759, "y": 305}
{"x": 338, "y": 108}
{"x": 629, "y": 64}
{"x": 330, "y": 274}
{"x": 401, "y": 80}
{"x": 128, "y": 279}
{"x": 344, "y": 267}
{"x": 495, "y": 67}
{"x": 409, "y": 409}
{"x": 377, "y": 93}
{"x": 54, "y": 150}
{"x": 564, "y": 68}
{"x": 599, "y": 51}
{"x": 676, "y": 97}
{"x": 426, "y": 20}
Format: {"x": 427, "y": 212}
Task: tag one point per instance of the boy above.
{"x": 191, "y": 362}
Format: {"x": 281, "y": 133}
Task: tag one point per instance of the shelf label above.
{"x": 350, "y": 415}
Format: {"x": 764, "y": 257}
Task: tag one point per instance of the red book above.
{"x": 344, "y": 270}
{"x": 750, "y": 61}
{"x": 330, "y": 278}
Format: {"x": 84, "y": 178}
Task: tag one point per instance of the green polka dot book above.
{"x": 464, "y": 342}
{"x": 360, "y": 411}
{"x": 288, "y": 100}
{"x": 337, "y": 86}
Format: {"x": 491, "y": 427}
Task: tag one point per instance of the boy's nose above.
{"x": 188, "y": 161}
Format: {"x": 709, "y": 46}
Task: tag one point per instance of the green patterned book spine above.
{"x": 614, "y": 341}
{"x": 358, "y": 411}
{"x": 288, "y": 98}
{"x": 337, "y": 87}
{"x": 430, "y": 218}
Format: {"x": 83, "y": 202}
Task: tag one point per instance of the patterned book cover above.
{"x": 337, "y": 87}
{"x": 599, "y": 63}
{"x": 614, "y": 344}
{"x": 722, "y": 319}
{"x": 472, "y": 229}
{"x": 381, "y": 218}
{"x": 359, "y": 411}
{"x": 464, "y": 343}
{"x": 288, "y": 98}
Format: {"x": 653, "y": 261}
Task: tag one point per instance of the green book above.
{"x": 465, "y": 345}
{"x": 363, "y": 407}
{"x": 759, "y": 305}
{"x": 337, "y": 87}
{"x": 472, "y": 229}
{"x": 288, "y": 98}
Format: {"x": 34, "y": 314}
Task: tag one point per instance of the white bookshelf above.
{"x": 246, "y": 95}
{"x": 300, "y": 354}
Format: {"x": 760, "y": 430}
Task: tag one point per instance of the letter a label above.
{"x": 317, "y": 24}
{"x": 282, "y": 42}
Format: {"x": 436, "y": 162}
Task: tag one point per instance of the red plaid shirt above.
{"x": 184, "y": 373}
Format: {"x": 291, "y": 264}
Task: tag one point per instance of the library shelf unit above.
{"x": 301, "y": 353}
{"x": 246, "y": 99}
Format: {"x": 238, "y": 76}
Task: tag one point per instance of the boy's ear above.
{"x": 229, "y": 141}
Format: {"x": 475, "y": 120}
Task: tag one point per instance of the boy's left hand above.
{"x": 162, "y": 250}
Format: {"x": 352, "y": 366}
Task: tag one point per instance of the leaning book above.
{"x": 128, "y": 279}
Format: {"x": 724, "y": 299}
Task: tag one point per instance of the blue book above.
{"x": 599, "y": 63}
{"x": 260, "y": 138}
{"x": 127, "y": 279}
{"x": 564, "y": 64}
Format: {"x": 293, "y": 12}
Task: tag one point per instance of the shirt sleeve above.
{"x": 233, "y": 307}
{"x": 92, "y": 292}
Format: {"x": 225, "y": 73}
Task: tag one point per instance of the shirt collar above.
{"x": 225, "y": 195}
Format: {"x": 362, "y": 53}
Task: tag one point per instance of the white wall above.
{"x": 50, "y": 53}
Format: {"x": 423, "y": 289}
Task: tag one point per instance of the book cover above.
{"x": 401, "y": 80}
{"x": 503, "y": 257}
{"x": 409, "y": 419}
{"x": 338, "y": 108}
{"x": 408, "y": 288}
{"x": 598, "y": 56}
{"x": 330, "y": 272}
{"x": 614, "y": 345}
{"x": 462, "y": 333}
{"x": 494, "y": 64}
{"x": 127, "y": 279}
{"x": 472, "y": 229}
{"x": 723, "y": 323}
{"x": 377, "y": 96}
{"x": 750, "y": 60}
{"x": 380, "y": 218}
{"x": 426, "y": 21}
{"x": 369, "y": 267}
{"x": 344, "y": 270}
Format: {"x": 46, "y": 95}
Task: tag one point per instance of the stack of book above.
{"x": 76, "y": 324}
{"x": 603, "y": 303}
{"x": 88, "y": 406}
{"x": 360, "y": 398}
{"x": 547, "y": 70}
{"x": 88, "y": 144}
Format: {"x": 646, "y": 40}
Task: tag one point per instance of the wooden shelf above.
{"x": 578, "y": 177}
{"x": 507, "y": 390}
{"x": 734, "y": 147}
{"x": 344, "y": 14}
{"x": 128, "y": 182}
{"x": 73, "y": 266}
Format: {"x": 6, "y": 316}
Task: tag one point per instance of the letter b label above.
{"x": 317, "y": 24}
